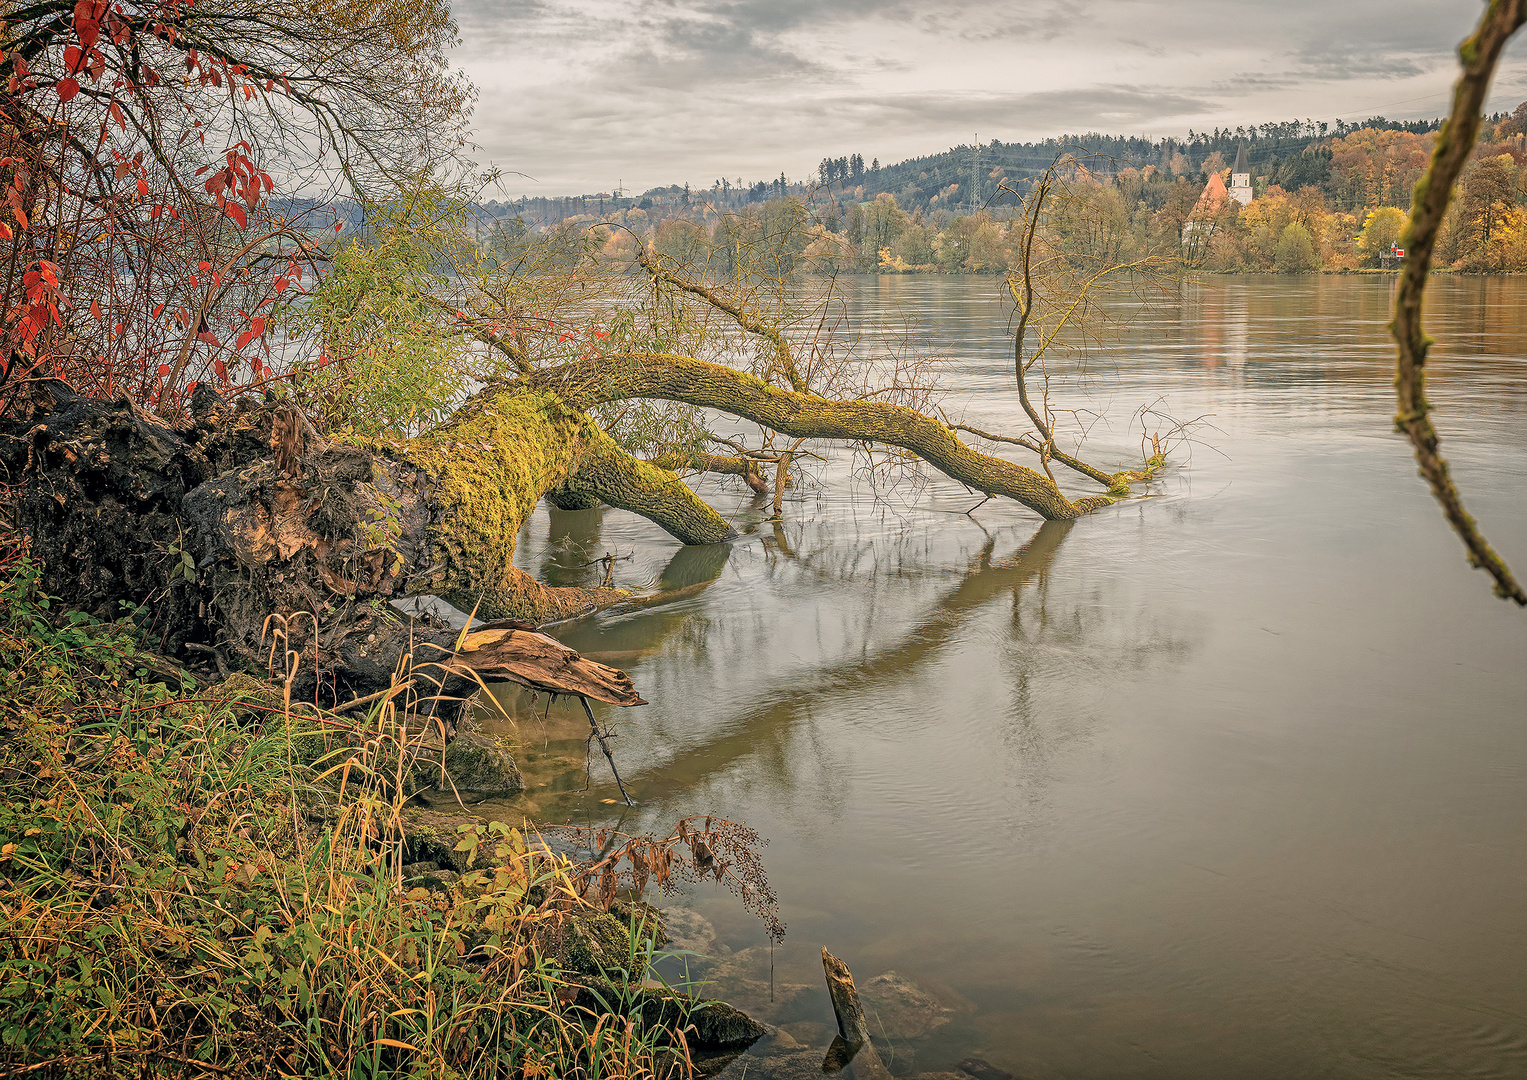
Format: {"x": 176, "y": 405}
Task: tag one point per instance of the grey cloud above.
{"x": 582, "y": 92}
{"x": 1109, "y": 108}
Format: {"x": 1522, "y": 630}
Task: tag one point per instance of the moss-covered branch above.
{"x": 683, "y": 378}
{"x": 609, "y": 473}
{"x": 748, "y": 468}
{"x": 490, "y": 466}
{"x": 1479, "y": 55}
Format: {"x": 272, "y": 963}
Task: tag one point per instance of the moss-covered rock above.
{"x": 721, "y": 1026}
{"x": 477, "y": 767}
{"x": 649, "y": 921}
{"x": 240, "y": 691}
{"x": 717, "y": 1025}
{"x": 595, "y": 943}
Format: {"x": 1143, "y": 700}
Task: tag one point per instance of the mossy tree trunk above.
{"x": 804, "y": 415}
{"x": 210, "y": 527}
{"x": 231, "y": 517}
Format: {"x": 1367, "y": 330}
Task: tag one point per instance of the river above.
{"x": 1227, "y": 781}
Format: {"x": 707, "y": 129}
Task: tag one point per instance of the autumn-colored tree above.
{"x": 142, "y": 144}
{"x": 1373, "y": 167}
{"x": 1381, "y": 229}
{"x": 1515, "y": 124}
{"x": 1488, "y": 197}
{"x": 1296, "y": 250}
{"x": 882, "y": 221}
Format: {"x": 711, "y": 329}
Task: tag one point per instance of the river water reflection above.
{"x": 1226, "y": 782}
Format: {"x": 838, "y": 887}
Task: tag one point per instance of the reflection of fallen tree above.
{"x": 689, "y": 573}
{"x": 795, "y": 699}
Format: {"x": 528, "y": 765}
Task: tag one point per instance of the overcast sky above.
{"x": 582, "y": 94}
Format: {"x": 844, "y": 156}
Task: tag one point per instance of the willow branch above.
{"x": 783, "y": 360}
{"x": 1479, "y": 55}
{"x": 1026, "y": 307}
{"x": 515, "y": 354}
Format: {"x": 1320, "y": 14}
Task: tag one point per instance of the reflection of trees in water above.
{"x": 1045, "y": 619}
{"x": 1322, "y": 329}
{"x": 1054, "y": 634}
{"x": 1097, "y": 637}
{"x": 574, "y": 543}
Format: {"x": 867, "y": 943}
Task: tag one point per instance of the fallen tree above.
{"x": 238, "y": 514}
{"x": 272, "y": 530}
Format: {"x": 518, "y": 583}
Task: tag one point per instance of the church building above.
{"x": 1240, "y": 178}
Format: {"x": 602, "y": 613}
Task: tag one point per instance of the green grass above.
{"x": 196, "y": 885}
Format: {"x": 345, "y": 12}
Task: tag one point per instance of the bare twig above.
{"x": 606, "y": 748}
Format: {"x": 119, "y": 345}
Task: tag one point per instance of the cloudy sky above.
{"x": 581, "y": 94}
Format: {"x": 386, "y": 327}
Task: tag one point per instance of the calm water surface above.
{"x": 1226, "y": 782}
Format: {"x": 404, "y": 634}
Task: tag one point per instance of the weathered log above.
{"x": 852, "y": 1046}
{"x": 215, "y": 525}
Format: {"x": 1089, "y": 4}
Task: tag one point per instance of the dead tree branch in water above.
{"x": 1070, "y": 262}
{"x": 1479, "y": 56}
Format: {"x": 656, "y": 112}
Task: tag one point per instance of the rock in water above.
{"x": 690, "y": 932}
{"x": 983, "y": 1070}
{"x": 476, "y": 768}
{"x": 743, "y": 979}
{"x": 902, "y": 1009}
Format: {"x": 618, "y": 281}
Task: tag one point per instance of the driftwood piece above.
{"x": 852, "y": 1045}
{"x": 517, "y": 652}
{"x": 845, "y": 1000}
{"x": 512, "y": 652}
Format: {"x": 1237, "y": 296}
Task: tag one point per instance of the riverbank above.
{"x": 195, "y": 878}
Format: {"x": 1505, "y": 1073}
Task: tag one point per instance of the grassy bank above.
{"x": 198, "y": 881}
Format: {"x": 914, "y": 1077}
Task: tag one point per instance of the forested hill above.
{"x": 1272, "y": 150}
{"x": 963, "y": 178}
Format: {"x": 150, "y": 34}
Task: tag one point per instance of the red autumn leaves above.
{"x": 105, "y": 226}
{"x": 85, "y": 58}
{"x": 238, "y": 177}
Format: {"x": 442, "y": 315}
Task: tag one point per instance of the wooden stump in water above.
{"x": 845, "y": 1000}
{"x": 852, "y": 1046}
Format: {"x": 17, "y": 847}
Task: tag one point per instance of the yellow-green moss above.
{"x": 491, "y": 465}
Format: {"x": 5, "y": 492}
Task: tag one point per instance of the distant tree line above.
{"x": 1328, "y": 197}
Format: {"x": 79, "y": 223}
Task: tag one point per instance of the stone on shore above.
{"x": 477, "y": 767}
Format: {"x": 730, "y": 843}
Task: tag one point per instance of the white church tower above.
{"x": 1240, "y": 178}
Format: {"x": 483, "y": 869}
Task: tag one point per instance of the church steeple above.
{"x": 1240, "y": 178}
